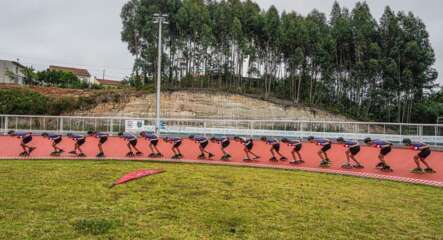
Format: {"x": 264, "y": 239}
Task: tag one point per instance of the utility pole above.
{"x": 160, "y": 19}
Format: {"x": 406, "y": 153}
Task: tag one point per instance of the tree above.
{"x": 348, "y": 62}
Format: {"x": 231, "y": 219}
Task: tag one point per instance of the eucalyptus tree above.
{"x": 348, "y": 62}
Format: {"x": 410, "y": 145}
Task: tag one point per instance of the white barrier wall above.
{"x": 429, "y": 133}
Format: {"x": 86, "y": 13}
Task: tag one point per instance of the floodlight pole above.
{"x": 160, "y": 19}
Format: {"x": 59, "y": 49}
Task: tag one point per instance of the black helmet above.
{"x": 340, "y": 139}
{"x": 407, "y": 141}
{"x": 367, "y": 140}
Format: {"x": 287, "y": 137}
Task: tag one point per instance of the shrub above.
{"x": 22, "y": 101}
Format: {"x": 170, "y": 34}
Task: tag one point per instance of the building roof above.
{"x": 14, "y": 62}
{"x": 76, "y": 71}
{"x": 108, "y": 82}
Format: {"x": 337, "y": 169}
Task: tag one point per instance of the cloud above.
{"x": 87, "y": 32}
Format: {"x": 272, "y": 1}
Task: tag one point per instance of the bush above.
{"x": 22, "y": 101}
{"x": 27, "y": 102}
{"x": 59, "y": 106}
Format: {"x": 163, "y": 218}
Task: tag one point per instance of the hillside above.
{"x": 177, "y": 104}
{"x": 215, "y": 105}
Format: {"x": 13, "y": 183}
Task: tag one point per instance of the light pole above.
{"x": 160, "y": 19}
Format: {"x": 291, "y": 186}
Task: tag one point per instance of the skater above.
{"x": 249, "y": 144}
{"x": 153, "y": 142}
{"x": 56, "y": 140}
{"x": 203, "y": 143}
{"x": 224, "y": 143}
{"x": 79, "y": 141}
{"x": 26, "y": 138}
{"x": 102, "y": 139}
{"x": 176, "y": 143}
{"x": 132, "y": 143}
{"x": 385, "y": 149}
{"x": 424, "y": 152}
{"x": 352, "y": 150}
{"x": 296, "y": 147}
{"x": 275, "y": 149}
{"x": 322, "y": 153}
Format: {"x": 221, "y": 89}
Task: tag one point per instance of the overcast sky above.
{"x": 86, "y": 33}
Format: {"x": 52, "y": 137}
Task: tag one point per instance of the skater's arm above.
{"x": 420, "y": 146}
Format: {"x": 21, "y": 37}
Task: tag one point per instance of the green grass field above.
{"x": 71, "y": 200}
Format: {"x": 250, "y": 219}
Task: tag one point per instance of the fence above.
{"x": 429, "y": 133}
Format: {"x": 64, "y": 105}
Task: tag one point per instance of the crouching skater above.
{"x": 224, "y": 143}
{"x": 102, "y": 139}
{"x": 176, "y": 143}
{"x": 248, "y": 144}
{"x": 275, "y": 149}
{"x": 352, "y": 150}
{"x": 322, "y": 153}
{"x": 26, "y": 138}
{"x": 203, "y": 143}
{"x": 56, "y": 140}
{"x": 424, "y": 153}
{"x": 132, "y": 141}
{"x": 296, "y": 148}
{"x": 79, "y": 141}
{"x": 385, "y": 148}
{"x": 153, "y": 140}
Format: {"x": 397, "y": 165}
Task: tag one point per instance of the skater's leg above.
{"x": 151, "y": 148}
{"x": 425, "y": 163}
{"x": 202, "y": 151}
{"x": 24, "y": 147}
{"x": 156, "y": 149}
{"x": 417, "y": 161}
{"x": 320, "y": 155}
{"x": 247, "y": 153}
{"x": 299, "y": 155}
{"x": 223, "y": 151}
{"x": 273, "y": 153}
{"x": 355, "y": 160}
{"x": 100, "y": 147}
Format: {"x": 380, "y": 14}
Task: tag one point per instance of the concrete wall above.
{"x": 6, "y": 66}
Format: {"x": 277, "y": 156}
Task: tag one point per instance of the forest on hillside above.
{"x": 345, "y": 60}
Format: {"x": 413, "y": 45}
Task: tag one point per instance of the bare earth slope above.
{"x": 187, "y": 104}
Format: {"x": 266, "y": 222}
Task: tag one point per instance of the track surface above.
{"x": 399, "y": 159}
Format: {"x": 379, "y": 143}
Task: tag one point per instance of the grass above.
{"x": 71, "y": 200}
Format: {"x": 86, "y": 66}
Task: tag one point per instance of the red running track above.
{"x": 399, "y": 159}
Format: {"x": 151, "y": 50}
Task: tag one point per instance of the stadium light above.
{"x": 160, "y": 19}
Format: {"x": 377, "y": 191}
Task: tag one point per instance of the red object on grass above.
{"x": 136, "y": 175}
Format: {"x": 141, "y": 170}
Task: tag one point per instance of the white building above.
{"x": 11, "y": 72}
{"x": 81, "y": 73}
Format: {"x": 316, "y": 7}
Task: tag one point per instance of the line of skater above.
{"x": 351, "y": 148}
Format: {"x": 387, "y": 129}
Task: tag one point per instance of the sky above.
{"x": 86, "y": 33}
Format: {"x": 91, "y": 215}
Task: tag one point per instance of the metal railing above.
{"x": 429, "y": 133}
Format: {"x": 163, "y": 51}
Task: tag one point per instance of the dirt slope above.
{"x": 187, "y": 104}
